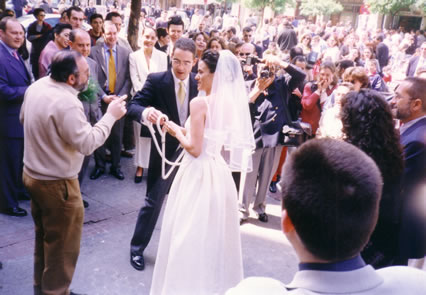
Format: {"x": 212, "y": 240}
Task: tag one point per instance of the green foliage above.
{"x": 91, "y": 93}
{"x": 277, "y": 5}
{"x": 389, "y": 6}
{"x": 320, "y": 7}
{"x": 421, "y": 5}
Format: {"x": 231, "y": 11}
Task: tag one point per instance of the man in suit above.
{"x": 80, "y": 42}
{"x": 169, "y": 93}
{"x": 268, "y": 116}
{"x": 382, "y": 52}
{"x": 248, "y": 37}
{"x": 117, "y": 20}
{"x": 409, "y": 106}
{"x": 14, "y": 80}
{"x": 114, "y": 79}
{"x": 330, "y": 205}
{"x": 416, "y": 62}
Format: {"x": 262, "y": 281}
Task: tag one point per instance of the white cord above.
{"x": 162, "y": 151}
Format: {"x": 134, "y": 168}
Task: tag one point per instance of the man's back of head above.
{"x": 331, "y": 192}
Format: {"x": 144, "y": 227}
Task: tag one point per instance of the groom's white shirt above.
{"x": 396, "y": 280}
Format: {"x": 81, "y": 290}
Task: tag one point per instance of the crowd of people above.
{"x": 225, "y": 88}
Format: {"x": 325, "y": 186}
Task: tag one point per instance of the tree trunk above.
{"x": 133, "y": 30}
{"x": 2, "y": 5}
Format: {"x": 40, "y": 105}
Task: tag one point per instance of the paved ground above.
{"x": 103, "y": 266}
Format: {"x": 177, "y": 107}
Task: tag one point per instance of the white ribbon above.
{"x": 162, "y": 151}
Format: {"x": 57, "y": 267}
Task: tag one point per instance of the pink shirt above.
{"x": 46, "y": 57}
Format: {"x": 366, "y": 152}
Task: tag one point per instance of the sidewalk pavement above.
{"x": 103, "y": 266}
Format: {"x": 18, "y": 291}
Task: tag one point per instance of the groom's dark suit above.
{"x": 158, "y": 92}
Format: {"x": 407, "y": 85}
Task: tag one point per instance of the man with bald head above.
{"x": 114, "y": 80}
{"x": 80, "y": 41}
{"x": 249, "y": 71}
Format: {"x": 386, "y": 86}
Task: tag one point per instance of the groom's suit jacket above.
{"x": 159, "y": 92}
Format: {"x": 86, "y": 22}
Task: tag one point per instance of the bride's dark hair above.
{"x": 210, "y": 58}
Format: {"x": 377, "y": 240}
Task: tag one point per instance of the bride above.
{"x": 200, "y": 246}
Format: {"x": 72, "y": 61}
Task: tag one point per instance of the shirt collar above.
{"x": 11, "y": 50}
{"x": 114, "y": 48}
{"x": 407, "y": 125}
{"x": 345, "y": 265}
{"x": 176, "y": 80}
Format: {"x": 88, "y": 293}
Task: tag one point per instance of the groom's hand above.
{"x": 153, "y": 115}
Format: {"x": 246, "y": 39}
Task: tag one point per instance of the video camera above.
{"x": 250, "y": 60}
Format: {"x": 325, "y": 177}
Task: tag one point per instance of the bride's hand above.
{"x": 172, "y": 128}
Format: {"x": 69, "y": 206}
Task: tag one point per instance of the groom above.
{"x": 166, "y": 93}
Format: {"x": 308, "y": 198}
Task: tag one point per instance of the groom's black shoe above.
{"x": 137, "y": 261}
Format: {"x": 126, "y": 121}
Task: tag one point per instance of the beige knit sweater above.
{"x": 56, "y": 132}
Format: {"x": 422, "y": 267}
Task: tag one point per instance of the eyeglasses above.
{"x": 178, "y": 62}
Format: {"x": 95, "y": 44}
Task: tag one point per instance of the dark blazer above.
{"x": 268, "y": 112}
{"x": 413, "y": 231}
{"x": 159, "y": 92}
{"x": 382, "y": 54}
{"x": 123, "y": 82}
{"x": 412, "y": 65}
{"x": 14, "y": 81}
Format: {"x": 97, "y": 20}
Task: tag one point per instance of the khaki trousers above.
{"x": 57, "y": 210}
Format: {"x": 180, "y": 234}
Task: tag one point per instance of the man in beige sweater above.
{"x": 57, "y": 136}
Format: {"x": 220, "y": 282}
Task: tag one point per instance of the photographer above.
{"x": 248, "y": 60}
{"x": 269, "y": 97}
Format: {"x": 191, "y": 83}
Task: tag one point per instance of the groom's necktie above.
{"x": 181, "y": 92}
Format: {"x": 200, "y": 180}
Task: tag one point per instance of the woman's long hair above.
{"x": 368, "y": 124}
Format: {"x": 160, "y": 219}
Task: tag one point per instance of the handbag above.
{"x": 296, "y": 132}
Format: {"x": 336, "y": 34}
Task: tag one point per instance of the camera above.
{"x": 250, "y": 60}
{"x": 267, "y": 72}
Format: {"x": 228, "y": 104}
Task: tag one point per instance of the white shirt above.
{"x": 183, "y": 112}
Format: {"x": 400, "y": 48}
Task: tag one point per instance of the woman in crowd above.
{"x": 142, "y": 62}
{"x": 216, "y": 44}
{"x": 200, "y": 249}
{"x": 367, "y": 54}
{"x": 201, "y": 39}
{"x": 357, "y": 76}
{"x": 305, "y": 43}
{"x": 376, "y": 81}
{"x": 332, "y": 53}
{"x": 315, "y": 95}
{"x": 368, "y": 124}
{"x": 38, "y": 35}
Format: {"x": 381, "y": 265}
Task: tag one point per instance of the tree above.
{"x": 391, "y": 7}
{"x": 420, "y": 5}
{"x": 133, "y": 29}
{"x": 276, "y": 5}
{"x": 320, "y": 7}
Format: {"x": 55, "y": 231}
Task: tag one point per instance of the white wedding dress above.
{"x": 200, "y": 246}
